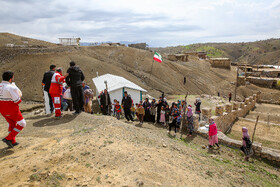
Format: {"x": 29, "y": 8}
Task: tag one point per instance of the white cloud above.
{"x": 158, "y": 22}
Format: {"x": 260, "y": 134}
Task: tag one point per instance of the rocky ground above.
{"x": 94, "y": 150}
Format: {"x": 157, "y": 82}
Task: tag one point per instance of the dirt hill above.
{"x": 29, "y": 66}
{"x": 259, "y": 52}
{"x": 8, "y": 38}
{"x": 91, "y": 150}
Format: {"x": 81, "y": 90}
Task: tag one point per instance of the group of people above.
{"x": 67, "y": 91}
{"x": 155, "y": 111}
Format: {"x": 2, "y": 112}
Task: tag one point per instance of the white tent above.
{"x": 117, "y": 86}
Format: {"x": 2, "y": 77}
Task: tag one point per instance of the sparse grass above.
{"x": 210, "y": 173}
{"x": 108, "y": 142}
{"x": 88, "y": 165}
{"x": 47, "y": 179}
{"x": 85, "y": 153}
{"x": 82, "y": 131}
{"x": 211, "y": 51}
{"x": 256, "y": 171}
{"x": 98, "y": 179}
{"x": 34, "y": 177}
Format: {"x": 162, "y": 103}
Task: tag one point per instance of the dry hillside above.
{"x": 134, "y": 64}
{"x": 259, "y": 52}
{"x": 29, "y": 65}
{"x": 91, "y": 150}
{"x": 8, "y": 38}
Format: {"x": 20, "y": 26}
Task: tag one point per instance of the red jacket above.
{"x": 118, "y": 108}
{"x": 213, "y": 130}
{"x": 56, "y": 84}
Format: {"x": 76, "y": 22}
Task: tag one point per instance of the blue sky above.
{"x": 157, "y": 22}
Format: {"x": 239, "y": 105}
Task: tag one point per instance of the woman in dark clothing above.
{"x": 147, "y": 106}
{"x": 197, "y": 107}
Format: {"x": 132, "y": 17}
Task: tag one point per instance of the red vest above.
{"x": 56, "y": 84}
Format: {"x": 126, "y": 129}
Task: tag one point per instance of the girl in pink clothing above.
{"x": 213, "y": 134}
{"x": 162, "y": 116}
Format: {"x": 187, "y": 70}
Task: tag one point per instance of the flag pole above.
{"x": 152, "y": 68}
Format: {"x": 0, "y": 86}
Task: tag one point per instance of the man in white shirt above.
{"x": 10, "y": 97}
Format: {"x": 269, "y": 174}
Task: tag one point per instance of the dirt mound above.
{"x": 88, "y": 150}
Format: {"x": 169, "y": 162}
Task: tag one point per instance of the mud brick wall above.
{"x": 224, "y": 120}
{"x": 195, "y": 123}
{"x": 259, "y": 150}
{"x": 206, "y": 113}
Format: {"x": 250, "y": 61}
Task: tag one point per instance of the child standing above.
{"x": 118, "y": 110}
{"x": 133, "y": 111}
{"x": 136, "y": 111}
{"x": 114, "y": 107}
{"x": 246, "y": 144}
{"x": 167, "y": 114}
{"x": 141, "y": 113}
{"x": 213, "y": 133}
{"x": 175, "y": 114}
{"x": 178, "y": 121}
{"x": 190, "y": 120}
{"x": 162, "y": 116}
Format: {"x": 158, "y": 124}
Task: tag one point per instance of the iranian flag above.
{"x": 157, "y": 57}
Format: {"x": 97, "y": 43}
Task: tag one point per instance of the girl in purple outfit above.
{"x": 246, "y": 144}
{"x": 190, "y": 120}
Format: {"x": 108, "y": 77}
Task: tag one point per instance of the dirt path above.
{"x": 89, "y": 150}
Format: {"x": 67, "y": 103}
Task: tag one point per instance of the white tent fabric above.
{"x": 114, "y": 82}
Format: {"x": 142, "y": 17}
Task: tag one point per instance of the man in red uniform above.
{"x": 56, "y": 90}
{"x": 10, "y": 97}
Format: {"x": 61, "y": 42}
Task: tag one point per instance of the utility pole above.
{"x": 236, "y": 84}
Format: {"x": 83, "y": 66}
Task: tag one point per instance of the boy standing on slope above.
{"x": 10, "y": 97}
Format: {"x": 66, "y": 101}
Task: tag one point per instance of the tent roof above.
{"x": 114, "y": 82}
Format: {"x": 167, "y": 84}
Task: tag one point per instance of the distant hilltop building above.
{"x": 69, "y": 41}
{"x": 184, "y": 57}
{"x": 139, "y": 46}
{"x": 220, "y": 63}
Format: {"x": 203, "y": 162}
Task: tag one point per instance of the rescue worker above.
{"x": 56, "y": 90}
{"x": 10, "y": 97}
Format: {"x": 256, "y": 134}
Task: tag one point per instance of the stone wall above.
{"x": 259, "y": 150}
{"x": 178, "y": 57}
{"x": 264, "y": 82}
{"x": 225, "y": 115}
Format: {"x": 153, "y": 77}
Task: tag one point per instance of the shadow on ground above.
{"x": 6, "y": 152}
{"x": 51, "y": 121}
